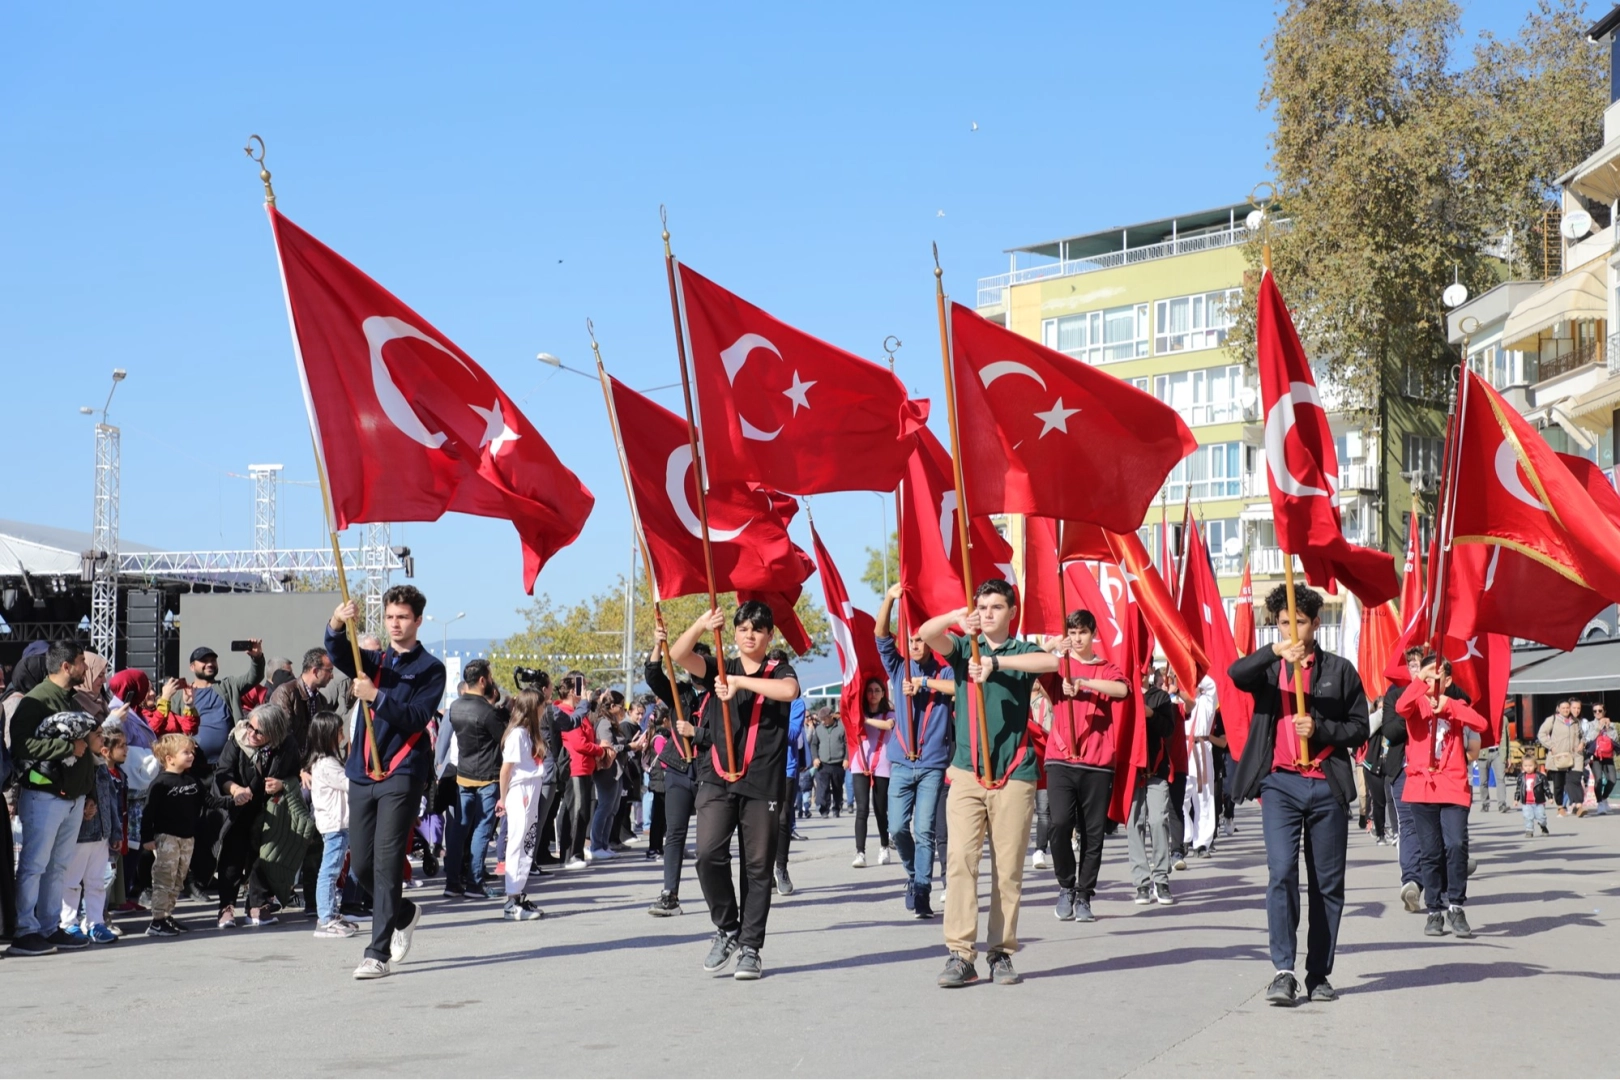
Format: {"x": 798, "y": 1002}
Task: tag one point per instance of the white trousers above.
{"x": 1198, "y": 806}
{"x": 525, "y": 802}
{"x": 85, "y": 878}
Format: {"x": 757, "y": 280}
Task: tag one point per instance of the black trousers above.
{"x": 656, "y": 826}
{"x": 1442, "y": 832}
{"x": 1043, "y": 820}
{"x": 866, "y": 788}
{"x": 1178, "y": 816}
{"x": 1299, "y": 813}
{"x": 574, "y": 820}
{"x": 1571, "y": 782}
{"x": 381, "y": 818}
{"x": 755, "y": 822}
{"x": 551, "y": 826}
{"x": 1378, "y": 803}
{"x": 238, "y": 862}
{"x": 1079, "y": 807}
{"x": 787, "y": 813}
{"x": 680, "y": 792}
{"x": 8, "y": 876}
{"x": 829, "y": 788}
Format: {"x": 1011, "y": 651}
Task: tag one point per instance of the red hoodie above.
{"x": 1429, "y": 780}
{"x": 1082, "y": 726}
{"x": 583, "y": 749}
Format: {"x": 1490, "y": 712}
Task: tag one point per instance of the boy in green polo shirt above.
{"x": 1000, "y": 805}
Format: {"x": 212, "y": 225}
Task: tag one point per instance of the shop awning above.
{"x": 1577, "y": 295}
{"x": 1600, "y": 401}
{"x": 1598, "y": 177}
{"x": 1586, "y": 669}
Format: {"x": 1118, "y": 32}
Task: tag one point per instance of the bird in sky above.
{"x": 939, "y": 213}
{"x": 975, "y": 124}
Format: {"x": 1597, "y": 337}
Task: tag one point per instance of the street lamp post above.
{"x": 444, "y": 626}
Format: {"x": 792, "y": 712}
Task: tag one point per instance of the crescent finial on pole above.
{"x": 264, "y": 173}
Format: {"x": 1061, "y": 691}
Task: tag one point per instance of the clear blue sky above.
{"x": 500, "y": 169}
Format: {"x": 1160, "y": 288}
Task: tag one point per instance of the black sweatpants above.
{"x": 581, "y": 800}
{"x": 1178, "y": 817}
{"x": 829, "y": 787}
{"x": 1571, "y": 782}
{"x": 680, "y": 791}
{"x": 787, "y": 813}
{"x": 1378, "y": 803}
{"x": 655, "y": 825}
{"x": 1078, "y": 798}
{"x": 1442, "y": 832}
{"x": 755, "y": 822}
{"x": 381, "y": 818}
{"x": 866, "y": 787}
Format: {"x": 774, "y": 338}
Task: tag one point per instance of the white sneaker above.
{"x": 399, "y": 946}
{"x": 371, "y": 969}
{"x": 1039, "y": 861}
{"x": 575, "y": 864}
{"x": 602, "y": 855}
{"x": 860, "y": 859}
{"x": 588, "y": 854}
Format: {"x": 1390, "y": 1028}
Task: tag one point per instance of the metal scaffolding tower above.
{"x": 102, "y": 558}
{"x": 374, "y": 557}
{"x": 266, "y": 479}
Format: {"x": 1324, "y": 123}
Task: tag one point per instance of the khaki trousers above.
{"x": 971, "y": 811}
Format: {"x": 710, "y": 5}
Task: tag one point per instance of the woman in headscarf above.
{"x": 259, "y": 761}
{"x": 91, "y": 693}
{"x": 29, "y": 673}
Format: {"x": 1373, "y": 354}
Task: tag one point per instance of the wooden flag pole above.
{"x": 374, "y": 767}
{"x": 977, "y": 690}
{"x": 686, "y": 751}
{"x": 1288, "y": 557}
{"x": 702, "y": 491}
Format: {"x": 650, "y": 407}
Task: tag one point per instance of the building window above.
{"x": 1194, "y": 322}
{"x": 1203, "y": 397}
{"x": 1210, "y": 472}
{"x": 1500, "y": 367}
{"x": 1100, "y": 337}
{"x": 1422, "y": 453}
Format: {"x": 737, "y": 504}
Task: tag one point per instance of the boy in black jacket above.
{"x": 1303, "y": 800}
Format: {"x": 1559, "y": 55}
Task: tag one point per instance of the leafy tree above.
{"x": 589, "y": 635}
{"x": 873, "y": 576}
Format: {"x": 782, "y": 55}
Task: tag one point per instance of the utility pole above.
{"x": 101, "y": 561}
{"x": 374, "y": 574}
{"x": 266, "y": 479}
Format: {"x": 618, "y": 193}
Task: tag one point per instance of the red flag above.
{"x": 1380, "y": 629}
{"x": 747, "y": 525}
{"x": 855, "y": 634}
{"x": 1513, "y": 490}
{"x": 1243, "y": 616}
{"x": 1412, "y": 574}
{"x": 1205, "y": 618}
{"x": 1302, "y": 465}
{"x": 1040, "y": 609}
{"x": 1043, "y": 433}
{"x": 1521, "y": 596}
{"x": 407, "y": 425}
{"x": 1183, "y": 653}
{"x": 1107, "y": 595}
{"x": 930, "y": 565}
{"x": 785, "y": 409}
{"x": 784, "y": 610}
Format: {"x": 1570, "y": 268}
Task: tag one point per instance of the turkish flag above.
{"x": 855, "y": 634}
{"x": 1102, "y": 589}
{"x": 1303, "y": 466}
{"x": 1205, "y": 617}
{"x": 1519, "y": 595}
{"x": 1512, "y": 489}
{"x": 788, "y": 410}
{"x": 1181, "y": 650}
{"x": 1380, "y": 629}
{"x": 1243, "y": 615}
{"x": 748, "y": 527}
{"x": 1412, "y": 573}
{"x": 407, "y": 425}
{"x": 784, "y": 608}
{"x": 1043, "y": 433}
{"x": 930, "y": 564}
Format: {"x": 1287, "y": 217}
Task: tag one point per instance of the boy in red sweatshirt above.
{"x": 1438, "y": 791}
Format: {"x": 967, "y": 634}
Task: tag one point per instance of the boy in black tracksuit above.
{"x": 678, "y": 772}
{"x": 1303, "y": 801}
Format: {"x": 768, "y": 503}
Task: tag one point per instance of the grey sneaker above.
{"x": 1082, "y": 909}
{"x": 666, "y": 905}
{"x": 784, "y": 884}
{"x": 720, "y": 952}
{"x": 958, "y": 972}
{"x": 749, "y": 965}
{"x": 522, "y": 909}
{"x": 1065, "y": 905}
{"x": 1435, "y": 925}
{"x": 1320, "y": 989}
{"x": 1001, "y": 970}
{"x": 1283, "y": 990}
{"x": 1459, "y": 922}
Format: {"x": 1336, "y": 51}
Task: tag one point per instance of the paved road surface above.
{"x": 600, "y": 989}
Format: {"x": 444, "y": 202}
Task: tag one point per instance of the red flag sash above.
{"x": 753, "y": 733}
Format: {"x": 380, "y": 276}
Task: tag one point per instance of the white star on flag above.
{"x": 496, "y": 432}
{"x": 798, "y": 393}
{"x": 1056, "y": 418}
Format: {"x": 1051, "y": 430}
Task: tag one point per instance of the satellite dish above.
{"x": 1576, "y": 224}
{"x": 1247, "y": 396}
{"x": 1455, "y": 294}
{"x": 1255, "y": 219}
{"x": 1233, "y": 547}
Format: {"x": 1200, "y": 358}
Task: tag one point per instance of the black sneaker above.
{"x": 1283, "y": 990}
{"x": 921, "y": 908}
{"x": 958, "y": 972}
{"x": 1435, "y": 925}
{"x": 1082, "y": 909}
{"x": 64, "y": 939}
{"x": 749, "y": 965}
{"x": 522, "y": 909}
{"x": 31, "y": 945}
{"x": 162, "y": 928}
{"x": 784, "y": 884}
{"x": 667, "y": 904}
{"x": 1544, "y": 830}
{"x": 1459, "y": 922}
{"x": 720, "y": 952}
{"x": 1065, "y": 905}
{"x": 1001, "y": 970}
{"x": 1320, "y": 989}
{"x": 1473, "y": 864}
{"x": 454, "y": 892}
{"x": 1161, "y": 894}
{"x": 911, "y": 896}
{"x": 1144, "y": 894}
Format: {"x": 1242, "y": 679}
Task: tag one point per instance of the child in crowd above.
{"x": 85, "y": 880}
{"x": 522, "y": 802}
{"x": 174, "y": 803}
{"x": 329, "y": 798}
{"x": 1533, "y": 795}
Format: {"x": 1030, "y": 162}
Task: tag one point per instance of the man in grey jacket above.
{"x": 829, "y": 748}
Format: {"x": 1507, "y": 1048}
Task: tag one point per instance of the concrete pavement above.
{"x": 599, "y": 988}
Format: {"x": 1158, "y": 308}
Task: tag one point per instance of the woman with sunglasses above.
{"x": 258, "y": 761}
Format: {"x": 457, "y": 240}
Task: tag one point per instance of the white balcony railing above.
{"x": 1358, "y": 476}
{"x": 1269, "y": 560}
{"x": 1327, "y": 635}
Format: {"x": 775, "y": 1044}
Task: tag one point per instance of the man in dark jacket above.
{"x": 480, "y": 730}
{"x": 301, "y": 696}
{"x": 1148, "y": 825}
{"x": 390, "y": 762}
{"x": 677, "y": 764}
{"x": 1300, "y": 763}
